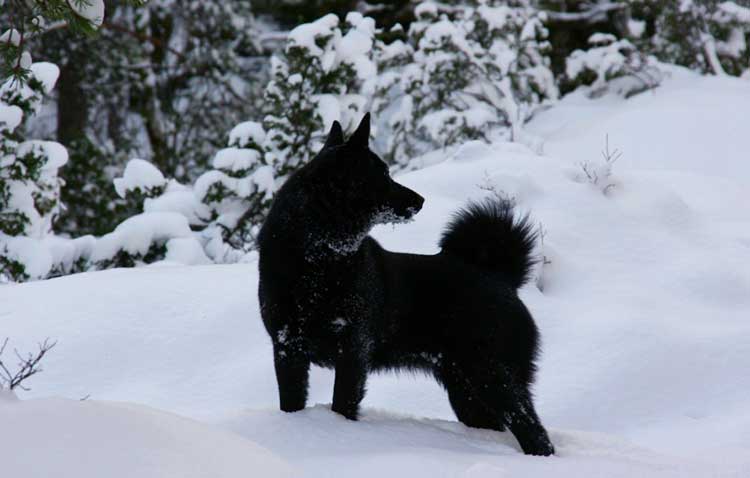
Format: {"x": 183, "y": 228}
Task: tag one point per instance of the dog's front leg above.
{"x": 292, "y": 375}
{"x": 351, "y": 377}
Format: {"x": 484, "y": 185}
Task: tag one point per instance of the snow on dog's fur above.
{"x": 332, "y": 296}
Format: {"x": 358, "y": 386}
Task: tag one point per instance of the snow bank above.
{"x": 89, "y": 439}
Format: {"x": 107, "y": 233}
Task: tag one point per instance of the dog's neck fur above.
{"x": 326, "y": 233}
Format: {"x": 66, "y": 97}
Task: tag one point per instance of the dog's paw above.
{"x": 346, "y": 413}
{"x": 539, "y": 447}
{"x": 291, "y": 408}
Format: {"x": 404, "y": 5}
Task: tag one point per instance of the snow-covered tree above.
{"x": 160, "y": 230}
{"x": 236, "y": 193}
{"x": 28, "y": 19}
{"x": 163, "y": 81}
{"x": 610, "y": 64}
{"x": 320, "y": 77}
{"x": 462, "y": 72}
{"x": 707, "y": 35}
{"x": 29, "y": 185}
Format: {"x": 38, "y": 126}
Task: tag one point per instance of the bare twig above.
{"x": 610, "y": 156}
{"x": 490, "y": 187}
{"x": 28, "y": 366}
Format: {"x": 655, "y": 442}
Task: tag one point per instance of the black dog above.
{"x": 330, "y": 295}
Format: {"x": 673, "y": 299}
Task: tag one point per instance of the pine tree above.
{"x": 29, "y": 185}
{"x": 462, "y": 73}
{"x": 237, "y": 194}
{"x": 710, "y": 36}
{"x": 26, "y": 20}
{"x": 321, "y": 76}
{"x": 162, "y": 81}
{"x": 610, "y": 64}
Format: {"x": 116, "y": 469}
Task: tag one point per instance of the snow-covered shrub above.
{"x": 460, "y": 72}
{"x": 237, "y": 193}
{"x": 163, "y": 80}
{"x": 706, "y": 35}
{"x": 29, "y": 183}
{"x": 318, "y": 78}
{"x": 216, "y": 219}
{"x": 146, "y": 238}
{"x": 611, "y": 65}
{"x": 161, "y": 230}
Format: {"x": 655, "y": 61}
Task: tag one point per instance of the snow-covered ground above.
{"x": 643, "y": 313}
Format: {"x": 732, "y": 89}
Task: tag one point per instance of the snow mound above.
{"x": 384, "y": 444}
{"x": 90, "y": 439}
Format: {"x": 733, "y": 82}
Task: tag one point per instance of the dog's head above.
{"x": 352, "y": 183}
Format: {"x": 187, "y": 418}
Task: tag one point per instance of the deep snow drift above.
{"x": 643, "y": 316}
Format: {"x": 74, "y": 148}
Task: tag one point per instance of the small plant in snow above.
{"x": 611, "y": 65}
{"x": 544, "y": 258}
{"x": 489, "y": 186}
{"x": 28, "y": 365}
{"x": 599, "y": 173}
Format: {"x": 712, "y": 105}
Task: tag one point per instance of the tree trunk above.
{"x": 72, "y": 107}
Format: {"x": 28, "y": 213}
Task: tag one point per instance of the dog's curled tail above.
{"x": 489, "y": 235}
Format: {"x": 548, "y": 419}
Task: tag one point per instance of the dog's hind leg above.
{"x": 292, "y": 375}
{"x": 468, "y": 408}
{"x": 494, "y": 386}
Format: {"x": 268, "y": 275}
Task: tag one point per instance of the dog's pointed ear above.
{"x": 361, "y": 137}
{"x": 335, "y": 136}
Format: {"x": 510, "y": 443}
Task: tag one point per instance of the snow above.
{"x": 47, "y": 73}
{"x": 140, "y": 175}
{"x": 426, "y": 9}
{"x": 11, "y": 37}
{"x": 25, "y": 60}
{"x": 496, "y": 17}
{"x": 180, "y": 199}
{"x": 55, "y": 153}
{"x": 244, "y": 133}
{"x": 643, "y": 317}
{"x": 305, "y": 35}
{"x": 236, "y": 159}
{"x": 59, "y": 437}
{"x": 91, "y": 10}
{"x": 730, "y": 11}
{"x": 10, "y": 117}
{"x": 136, "y": 234}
